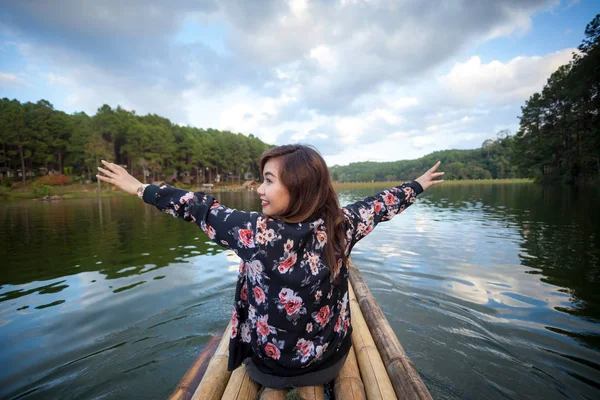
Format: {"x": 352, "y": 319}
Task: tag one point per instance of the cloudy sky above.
{"x": 375, "y": 80}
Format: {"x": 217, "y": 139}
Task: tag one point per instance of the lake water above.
{"x": 493, "y": 290}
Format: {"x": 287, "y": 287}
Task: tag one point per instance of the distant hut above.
{"x": 251, "y": 185}
{"x": 171, "y": 179}
{"x": 6, "y": 173}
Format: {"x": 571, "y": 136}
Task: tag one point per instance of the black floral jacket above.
{"x": 291, "y": 315}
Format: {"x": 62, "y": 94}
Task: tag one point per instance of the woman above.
{"x": 291, "y": 319}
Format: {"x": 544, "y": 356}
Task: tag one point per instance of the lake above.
{"x": 492, "y": 289}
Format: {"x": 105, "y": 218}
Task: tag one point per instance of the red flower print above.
{"x": 322, "y": 317}
{"x": 322, "y": 238}
{"x": 305, "y": 348}
{"x": 338, "y": 325}
{"x": 209, "y": 230}
{"x": 289, "y": 245}
{"x": 270, "y": 234}
{"x": 255, "y": 269}
{"x": 234, "y": 323}
{"x": 293, "y": 305}
{"x": 261, "y": 223}
{"x": 262, "y": 326}
{"x": 318, "y": 295}
{"x": 234, "y": 317}
{"x": 284, "y": 294}
{"x": 246, "y": 237}
{"x": 321, "y": 350}
{"x": 242, "y": 268}
{"x": 244, "y": 292}
{"x": 408, "y": 192}
{"x": 259, "y": 295}
{"x": 272, "y": 351}
{"x": 287, "y": 263}
{"x": 246, "y": 333}
{"x": 389, "y": 199}
{"x": 314, "y": 269}
{"x": 260, "y": 238}
{"x": 309, "y": 327}
{"x": 186, "y": 197}
{"x": 377, "y": 206}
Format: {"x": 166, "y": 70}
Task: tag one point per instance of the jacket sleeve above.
{"x": 363, "y": 216}
{"x": 227, "y": 227}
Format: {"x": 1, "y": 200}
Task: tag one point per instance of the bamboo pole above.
{"x": 375, "y": 378}
{"x": 240, "y": 386}
{"x": 348, "y": 385}
{"x": 188, "y": 384}
{"x": 272, "y": 394}
{"x": 312, "y": 392}
{"x": 403, "y": 375}
{"x": 216, "y": 377}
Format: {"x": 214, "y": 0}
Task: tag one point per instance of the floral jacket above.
{"x": 290, "y": 314}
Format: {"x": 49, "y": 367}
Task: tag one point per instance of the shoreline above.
{"x": 82, "y": 191}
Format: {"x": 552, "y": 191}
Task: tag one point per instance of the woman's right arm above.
{"x": 227, "y": 227}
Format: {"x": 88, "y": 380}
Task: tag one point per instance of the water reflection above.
{"x": 495, "y": 273}
{"x": 492, "y": 289}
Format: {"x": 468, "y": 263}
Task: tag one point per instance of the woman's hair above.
{"x": 305, "y": 175}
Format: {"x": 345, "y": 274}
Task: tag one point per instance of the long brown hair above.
{"x": 305, "y": 175}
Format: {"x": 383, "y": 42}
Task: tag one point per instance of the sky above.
{"x": 361, "y": 80}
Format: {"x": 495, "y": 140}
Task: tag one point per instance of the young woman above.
{"x": 291, "y": 318}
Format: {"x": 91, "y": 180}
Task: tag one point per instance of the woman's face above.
{"x": 274, "y": 196}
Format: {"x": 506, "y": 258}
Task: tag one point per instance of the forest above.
{"x": 558, "y": 140}
{"x": 495, "y": 160}
{"x": 36, "y": 139}
{"x": 559, "y": 134}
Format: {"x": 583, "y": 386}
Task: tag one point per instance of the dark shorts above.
{"x": 314, "y": 378}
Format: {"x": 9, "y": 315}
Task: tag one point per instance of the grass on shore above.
{"x": 81, "y": 191}
{"x": 358, "y": 185}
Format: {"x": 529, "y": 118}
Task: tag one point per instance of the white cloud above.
{"x": 325, "y": 57}
{"x": 472, "y": 81}
{"x": 11, "y": 80}
{"x": 57, "y": 79}
{"x": 359, "y": 79}
{"x": 422, "y": 141}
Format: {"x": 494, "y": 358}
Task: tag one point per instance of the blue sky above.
{"x": 360, "y": 79}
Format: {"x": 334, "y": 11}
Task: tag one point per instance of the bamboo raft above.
{"x": 377, "y": 366}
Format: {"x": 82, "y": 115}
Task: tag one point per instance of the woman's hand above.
{"x": 426, "y": 180}
{"x": 119, "y": 177}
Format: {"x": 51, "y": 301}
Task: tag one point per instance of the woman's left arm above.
{"x": 364, "y": 215}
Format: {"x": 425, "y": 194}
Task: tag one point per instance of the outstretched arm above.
{"x": 364, "y": 215}
{"x": 427, "y": 180}
{"x": 227, "y": 227}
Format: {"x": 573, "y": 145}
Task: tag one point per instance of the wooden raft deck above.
{"x": 377, "y": 366}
